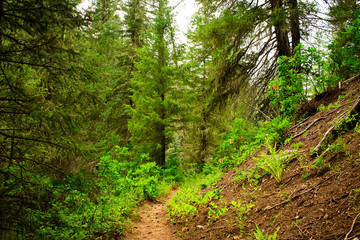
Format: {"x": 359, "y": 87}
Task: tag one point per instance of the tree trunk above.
{"x": 1, "y": 21}
{"x": 294, "y": 24}
{"x": 203, "y": 138}
{"x": 281, "y": 32}
{"x": 162, "y": 63}
{"x": 162, "y": 158}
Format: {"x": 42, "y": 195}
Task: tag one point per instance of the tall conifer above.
{"x": 153, "y": 88}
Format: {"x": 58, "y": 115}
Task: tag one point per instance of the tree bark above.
{"x": 162, "y": 63}
{"x": 1, "y": 21}
{"x": 294, "y": 24}
{"x": 281, "y": 32}
{"x": 203, "y": 138}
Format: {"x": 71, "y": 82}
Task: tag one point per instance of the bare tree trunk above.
{"x": 203, "y": 138}
{"x": 281, "y": 32}
{"x": 1, "y": 21}
{"x": 162, "y": 63}
{"x": 294, "y": 24}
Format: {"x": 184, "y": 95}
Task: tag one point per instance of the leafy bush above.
{"x": 190, "y": 198}
{"x": 250, "y": 176}
{"x": 236, "y": 144}
{"x": 299, "y": 78}
{"x": 274, "y": 131}
{"x": 75, "y": 214}
{"x": 87, "y": 205}
{"x": 245, "y": 138}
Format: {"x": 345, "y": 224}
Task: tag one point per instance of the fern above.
{"x": 274, "y": 163}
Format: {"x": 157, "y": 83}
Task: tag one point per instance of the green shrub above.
{"x": 190, "y": 198}
{"x": 299, "y": 77}
{"x": 245, "y": 138}
{"x": 87, "y": 205}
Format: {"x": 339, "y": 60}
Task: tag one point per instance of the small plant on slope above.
{"x": 259, "y": 235}
{"x": 275, "y": 163}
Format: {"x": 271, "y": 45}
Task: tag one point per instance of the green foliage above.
{"x": 155, "y": 103}
{"x": 76, "y": 213}
{"x": 75, "y": 206}
{"x": 80, "y": 206}
{"x": 260, "y": 236}
{"x": 242, "y": 210}
{"x": 144, "y": 179}
{"x": 250, "y": 176}
{"x": 345, "y": 49}
{"x": 274, "y": 163}
{"x": 44, "y": 103}
{"x": 300, "y": 76}
{"x": 190, "y": 197}
{"x": 245, "y": 138}
{"x": 274, "y": 131}
{"x": 236, "y": 144}
{"x": 72, "y": 165}
{"x": 216, "y": 211}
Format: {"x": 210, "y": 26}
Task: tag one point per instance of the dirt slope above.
{"x": 319, "y": 196}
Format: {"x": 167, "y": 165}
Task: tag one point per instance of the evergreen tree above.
{"x": 205, "y": 119}
{"x": 39, "y": 103}
{"x": 126, "y": 36}
{"x": 153, "y": 88}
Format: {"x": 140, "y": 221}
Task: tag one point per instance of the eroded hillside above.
{"x": 318, "y": 196}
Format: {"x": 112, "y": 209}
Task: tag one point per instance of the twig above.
{"x": 290, "y": 179}
{"x": 266, "y": 116}
{"x": 215, "y": 228}
{"x": 327, "y": 114}
{"x": 302, "y": 233}
{"x": 352, "y": 227}
{"x": 351, "y": 79}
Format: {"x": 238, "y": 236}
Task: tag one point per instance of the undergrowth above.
{"x": 192, "y": 195}
{"x": 99, "y": 204}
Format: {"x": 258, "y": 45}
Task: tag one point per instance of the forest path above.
{"x": 153, "y": 223}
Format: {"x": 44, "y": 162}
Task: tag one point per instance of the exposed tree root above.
{"x": 352, "y": 228}
{"x": 326, "y": 139}
{"x": 307, "y": 128}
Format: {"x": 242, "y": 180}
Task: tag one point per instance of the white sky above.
{"x": 183, "y": 13}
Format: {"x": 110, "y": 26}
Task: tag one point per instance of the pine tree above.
{"x": 38, "y": 102}
{"x": 153, "y": 89}
{"x": 122, "y": 47}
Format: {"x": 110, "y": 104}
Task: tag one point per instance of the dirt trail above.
{"x": 153, "y": 223}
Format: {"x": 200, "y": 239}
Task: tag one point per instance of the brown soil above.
{"x": 152, "y": 223}
{"x": 318, "y": 198}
